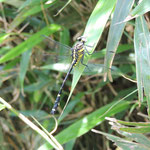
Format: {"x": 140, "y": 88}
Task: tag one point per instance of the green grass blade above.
{"x": 142, "y": 52}
{"x": 2, "y": 107}
{"x": 116, "y": 29}
{"x": 3, "y": 36}
{"x": 139, "y": 138}
{"x": 133, "y": 123}
{"x": 124, "y": 144}
{"x": 141, "y": 9}
{"x": 24, "y": 66}
{"x": 136, "y": 130}
{"x": 131, "y": 132}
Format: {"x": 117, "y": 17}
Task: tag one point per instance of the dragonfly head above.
{"x": 82, "y": 39}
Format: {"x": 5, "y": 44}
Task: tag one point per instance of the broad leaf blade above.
{"x": 116, "y": 29}
{"x": 141, "y": 9}
{"x": 142, "y": 52}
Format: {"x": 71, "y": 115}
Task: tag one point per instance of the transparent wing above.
{"x": 57, "y": 56}
{"x": 52, "y": 53}
{"x": 93, "y": 69}
{"x": 57, "y": 47}
{"x": 94, "y": 66}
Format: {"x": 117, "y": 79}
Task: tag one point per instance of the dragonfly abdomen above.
{"x": 57, "y": 101}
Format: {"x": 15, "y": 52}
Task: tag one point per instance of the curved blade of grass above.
{"x": 3, "y": 36}
{"x": 67, "y": 3}
{"x": 2, "y": 107}
{"x": 136, "y": 130}
{"x": 133, "y": 123}
{"x": 93, "y": 31}
{"x": 139, "y": 138}
{"x": 142, "y": 52}
{"x": 118, "y": 125}
{"x": 116, "y": 29}
{"x": 30, "y": 42}
{"x": 122, "y": 143}
{"x": 141, "y": 9}
{"x": 24, "y": 66}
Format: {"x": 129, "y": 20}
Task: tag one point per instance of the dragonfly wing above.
{"x": 57, "y": 47}
{"x": 57, "y": 56}
{"x": 54, "y": 52}
{"x": 93, "y": 69}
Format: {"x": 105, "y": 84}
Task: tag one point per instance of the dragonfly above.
{"x": 75, "y": 55}
{"x": 78, "y": 53}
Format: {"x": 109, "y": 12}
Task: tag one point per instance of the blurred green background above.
{"x": 31, "y": 87}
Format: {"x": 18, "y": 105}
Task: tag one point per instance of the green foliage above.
{"x": 133, "y": 140}
{"x": 30, "y": 78}
{"x": 140, "y": 142}
{"x": 142, "y": 46}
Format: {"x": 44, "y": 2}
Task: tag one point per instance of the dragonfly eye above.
{"x": 82, "y": 39}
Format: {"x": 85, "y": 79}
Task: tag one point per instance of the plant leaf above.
{"x": 123, "y": 143}
{"x": 142, "y": 53}
{"x": 116, "y": 29}
{"x": 24, "y": 66}
{"x": 141, "y": 9}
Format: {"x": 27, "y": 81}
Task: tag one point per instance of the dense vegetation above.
{"x": 115, "y": 83}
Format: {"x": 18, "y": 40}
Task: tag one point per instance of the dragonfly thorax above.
{"x": 77, "y": 52}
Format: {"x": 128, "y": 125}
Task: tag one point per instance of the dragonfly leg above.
{"x": 89, "y": 45}
{"x": 87, "y": 51}
{"x": 83, "y": 63}
{"x": 82, "y": 58}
